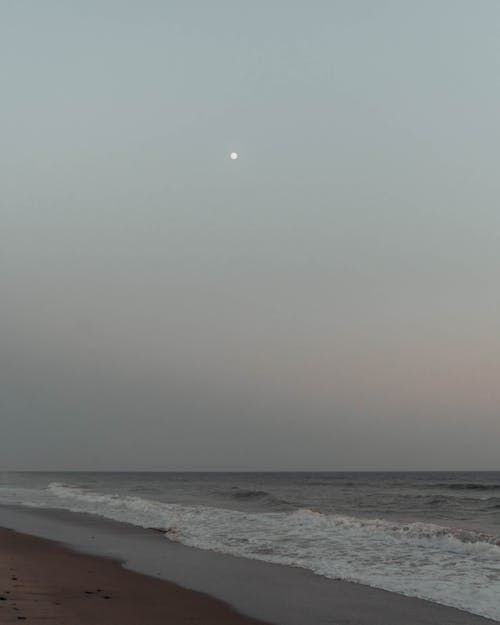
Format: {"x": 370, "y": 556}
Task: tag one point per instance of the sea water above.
{"x": 429, "y": 535}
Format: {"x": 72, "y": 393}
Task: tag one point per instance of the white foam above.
{"x": 460, "y": 568}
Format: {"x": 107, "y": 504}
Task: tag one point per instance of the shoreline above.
{"x": 41, "y": 581}
{"x": 266, "y": 593}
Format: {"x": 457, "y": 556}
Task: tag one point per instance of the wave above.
{"x": 262, "y": 497}
{"x": 405, "y": 531}
{"x": 455, "y": 500}
{"x": 333, "y": 483}
{"x": 435, "y": 501}
{"x": 250, "y": 494}
{"x": 447, "y": 538}
{"x": 448, "y": 565}
{"x": 469, "y": 486}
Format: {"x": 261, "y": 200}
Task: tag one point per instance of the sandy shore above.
{"x": 56, "y": 584}
{"x": 41, "y": 582}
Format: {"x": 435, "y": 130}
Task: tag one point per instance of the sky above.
{"x": 328, "y": 301}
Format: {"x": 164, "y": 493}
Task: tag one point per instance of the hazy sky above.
{"x": 331, "y": 300}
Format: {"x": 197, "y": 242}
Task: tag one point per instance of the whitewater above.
{"x": 454, "y": 565}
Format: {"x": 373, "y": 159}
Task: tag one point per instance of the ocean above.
{"x": 433, "y": 535}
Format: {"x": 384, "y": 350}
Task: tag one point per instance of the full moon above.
{"x": 233, "y": 156}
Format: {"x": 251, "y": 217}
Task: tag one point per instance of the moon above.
{"x": 233, "y": 156}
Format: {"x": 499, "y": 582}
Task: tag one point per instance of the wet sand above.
{"x": 41, "y": 582}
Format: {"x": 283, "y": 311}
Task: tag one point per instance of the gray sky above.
{"x": 330, "y": 300}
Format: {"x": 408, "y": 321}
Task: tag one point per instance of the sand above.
{"x": 41, "y": 582}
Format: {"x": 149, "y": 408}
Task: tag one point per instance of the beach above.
{"x": 41, "y": 582}
{"x": 432, "y": 536}
{"x": 66, "y": 580}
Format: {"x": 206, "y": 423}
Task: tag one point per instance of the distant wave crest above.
{"x": 258, "y": 496}
{"x": 469, "y": 486}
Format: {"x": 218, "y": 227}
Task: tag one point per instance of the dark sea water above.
{"x": 431, "y": 535}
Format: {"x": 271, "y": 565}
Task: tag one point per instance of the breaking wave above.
{"x": 446, "y": 538}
